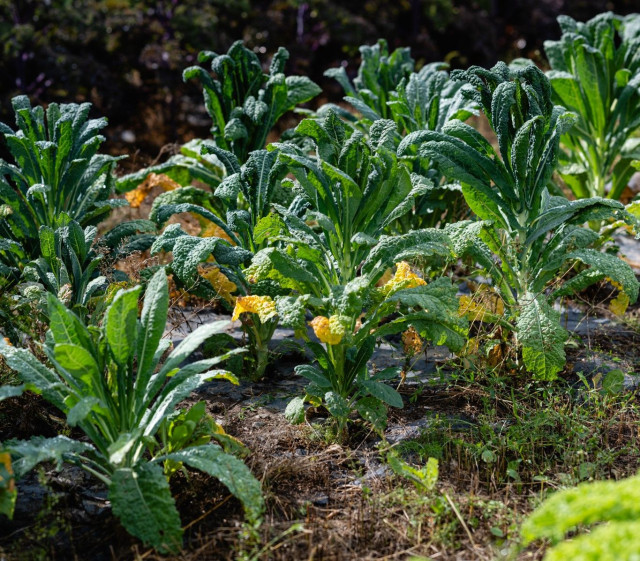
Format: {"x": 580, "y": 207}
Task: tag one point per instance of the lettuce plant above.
{"x": 388, "y": 87}
{"x": 331, "y": 253}
{"x": 596, "y": 74}
{"x": 114, "y": 383}
{"x": 613, "y": 505}
{"x": 527, "y": 237}
{"x": 56, "y": 169}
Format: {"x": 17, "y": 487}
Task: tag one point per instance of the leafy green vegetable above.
{"x": 111, "y": 381}
{"x": 142, "y": 500}
{"x": 56, "y": 175}
{"x": 388, "y": 87}
{"x": 531, "y": 233}
{"x": 239, "y": 233}
{"x": 333, "y": 252}
{"x": 424, "y": 478}
{"x": 69, "y": 264}
{"x": 614, "y": 502}
{"x": 243, "y": 102}
{"x": 379, "y": 74}
{"x": 596, "y": 74}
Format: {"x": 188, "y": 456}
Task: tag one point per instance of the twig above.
{"x": 457, "y": 513}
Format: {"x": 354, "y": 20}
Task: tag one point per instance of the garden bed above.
{"x": 331, "y": 501}
{"x": 407, "y": 328}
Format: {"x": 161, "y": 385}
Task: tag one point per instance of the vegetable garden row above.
{"x": 360, "y": 223}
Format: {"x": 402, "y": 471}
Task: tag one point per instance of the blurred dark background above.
{"x": 127, "y": 56}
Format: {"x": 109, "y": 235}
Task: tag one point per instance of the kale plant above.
{"x": 69, "y": 265}
{"x": 388, "y": 87}
{"x": 596, "y": 74}
{"x": 526, "y": 237}
{"x": 118, "y": 385}
{"x": 612, "y": 508}
{"x": 56, "y": 175}
{"x": 331, "y": 252}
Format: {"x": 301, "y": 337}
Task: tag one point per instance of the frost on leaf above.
{"x": 485, "y": 305}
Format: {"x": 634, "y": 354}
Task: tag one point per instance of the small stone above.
{"x": 320, "y": 500}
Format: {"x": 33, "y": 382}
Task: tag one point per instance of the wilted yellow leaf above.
{"x": 5, "y": 459}
{"x": 263, "y": 306}
{"x": 621, "y": 302}
{"x": 313, "y": 400}
{"x": 403, "y": 278}
{"x": 211, "y": 230}
{"x": 219, "y": 281}
{"x": 495, "y": 355}
{"x": 385, "y": 278}
{"x": 152, "y": 181}
{"x": 471, "y": 347}
{"x": 328, "y": 330}
{"x": 484, "y": 305}
{"x": 411, "y": 342}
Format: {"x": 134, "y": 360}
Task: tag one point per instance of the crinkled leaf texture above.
{"x": 231, "y": 471}
{"x": 29, "y": 453}
{"x": 337, "y": 405}
{"x": 373, "y": 410}
{"x": 619, "y": 541}
{"x": 588, "y": 503}
{"x": 34, "y": 373}
{"x": 542, "y": 337}
{"x": 612, "y": 266}
{"x": 142, "y": 500}
{"x": 435, "y": 314}
{"x": 294, "y": 413}
{"x": 190, "y": 251}
{"x": 615, "y": 502}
